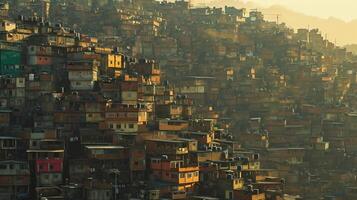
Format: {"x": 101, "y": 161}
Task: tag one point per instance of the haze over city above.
{"x": 336, "y": 19}
{"x": 341, "y": 9}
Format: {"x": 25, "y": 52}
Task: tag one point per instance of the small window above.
{"x": 11, "y": 166}
{"x": 22, "y": 166}
{"x": 182, "y": 175}
{"x": 111, "y": 125}
{"x": 118, "y": 126}
{"x": 131, "y": 125}
{"x": 3, "y": 167}
{"x": 189, "y": 175}
{"x": 136, "y": 163}
{"x": 51, "y": 167}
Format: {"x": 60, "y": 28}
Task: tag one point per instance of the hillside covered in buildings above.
{"x": 141, "y": 99}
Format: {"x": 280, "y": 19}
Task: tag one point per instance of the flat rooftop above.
{"x": 104, "y": 147}
{"x": 44, "y": 151}
{"x": 165, "y": 140}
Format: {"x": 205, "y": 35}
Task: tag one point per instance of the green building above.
{"x": 10, "y": 60}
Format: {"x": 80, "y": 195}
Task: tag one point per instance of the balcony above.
{"x": 14, "y": 172}
{"x": 187, "y": 168}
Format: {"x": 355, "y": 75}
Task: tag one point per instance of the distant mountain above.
{"x": 335, "y": 29}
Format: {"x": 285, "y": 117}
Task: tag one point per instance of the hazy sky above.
{"x": 342, "y": 9}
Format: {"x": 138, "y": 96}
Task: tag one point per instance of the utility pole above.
{"x": 308, "y": 34}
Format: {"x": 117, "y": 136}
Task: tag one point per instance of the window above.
{"x": 51, "y": 167}
{"x": 11, "y": 166}
{"x": 189, "y": 175}
{"x": 40, "y": 167}
{"x": 230, "y": 195}
{"x": 111, "y": 125}
{"x": 9, "y": 143}
{"x": 118, "y": 126}
{"x": 196, "y": 174}
{"x": 136, "y": 163}
{"x": 182, "y": 175}
{"x": 22, "y": 166}
{"x": 131, "y": 125}
{"x": 3, "y": 167}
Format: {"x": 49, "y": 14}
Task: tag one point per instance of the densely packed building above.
{"x": 141, "y": 99}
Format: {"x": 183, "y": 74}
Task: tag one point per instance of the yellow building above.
{"x": 113, "y": 61}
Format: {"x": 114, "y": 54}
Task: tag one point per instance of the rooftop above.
{"x": 104, "y": 147}
{"x": 44, "y": 151}
{"x": 165, "y": 140}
